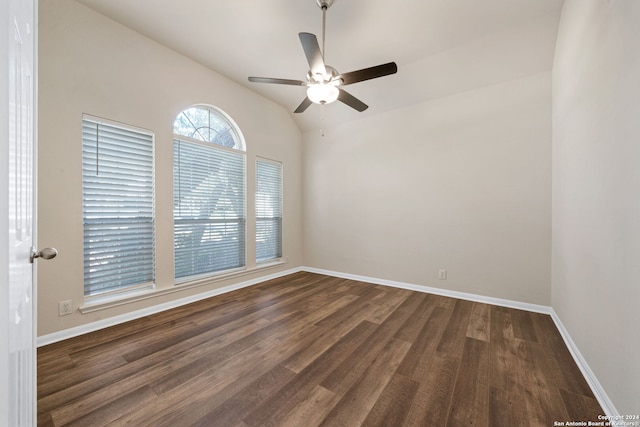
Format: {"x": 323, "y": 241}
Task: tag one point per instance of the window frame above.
{"x": 240, "y": 150}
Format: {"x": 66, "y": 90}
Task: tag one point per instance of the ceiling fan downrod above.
{"x": 324, "y": 5}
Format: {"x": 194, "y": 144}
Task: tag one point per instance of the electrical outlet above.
{"x": 65, "y": 308}
{"x": 442, "y": 274}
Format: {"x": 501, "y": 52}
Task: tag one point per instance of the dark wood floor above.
{"x": 307, "y": 350}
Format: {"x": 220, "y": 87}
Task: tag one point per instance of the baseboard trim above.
{"x": 437, "y": 291}
{"x": 590, "y": 377}
{"x": 597, "y": 389}
{"x": 116, "y": 320}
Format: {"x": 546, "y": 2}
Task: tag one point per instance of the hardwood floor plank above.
{"x": 393, "y": 405}
{"x": 469, "y": 403}
{"x": 479, "y": 322}
{"x": 523, "y": 371}
{"x": 506, "y": 409}
{"x": 49, "y": 368}
{"x": 67, "y": 375}
{"x": 45, "y": 420}
{"x": 110, "y": 413}
{"x": 272, "y": 304}
{"x": 559, "y": 356}
{"x": 430, "y": 406}
{"x": 211, "y": 359}
{"x": 205, "y": 392}
{"x": 418, "y": 361}
{"x": 523, "y": 325}
{"x": 360, "y": 308}
{"x": 385, "y": 304}
{"x": 355, "y": 405}
{"x": 514, "y": 377}
{"x": 580, "y": 407}
{"x": 342, "y": 378}
{"x": 318, "y": 342}
{"x": 311, "y": 411}
{"x": 106, "y": 385}
{"x": 542, "y": 394}
{"x": 336, "y": 325}
{"x": 233, "y": 410}
{"x": 414, "y": 324}
{"x": 297, "y": 390}
{"x": 308, "y": 349}
{"x": 503, "y": 362}
{"x": 453, "y": 337}
{"x": 300, "y": 327}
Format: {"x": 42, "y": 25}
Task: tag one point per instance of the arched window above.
{"x": 209, "y": 196}
{"x": 208, "y": 124}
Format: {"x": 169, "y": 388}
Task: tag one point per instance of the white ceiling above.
{"x": 442, "y": 47}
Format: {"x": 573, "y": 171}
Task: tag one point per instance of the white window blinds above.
{"x": 268, "y": 210}
{"x": 208, "y": 208}
{"x": 117, "y": 206}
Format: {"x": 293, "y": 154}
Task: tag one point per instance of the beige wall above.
{"x": 596, "y": 182}
{"x": 459, "y": 183}
{"x": 90, "y": 64}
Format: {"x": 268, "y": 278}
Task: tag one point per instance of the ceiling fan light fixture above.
{"x": 322, "y": 93}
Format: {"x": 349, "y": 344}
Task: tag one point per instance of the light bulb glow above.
{"x": 322, "y": 93}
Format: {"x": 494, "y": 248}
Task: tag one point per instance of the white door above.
{"x": 17, "y": 180}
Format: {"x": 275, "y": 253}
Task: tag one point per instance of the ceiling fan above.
{"x": 324, "y": 83}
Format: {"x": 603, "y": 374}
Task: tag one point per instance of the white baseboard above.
{"x": 437, "y": 291}
{"x": 594, "y": 384}
{"x": 590, "y": 377}
{"x": 116, "y": 320}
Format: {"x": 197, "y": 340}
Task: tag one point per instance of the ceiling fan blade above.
{"x": 351, "y": 101}
{"x": 277, "y": 81}
{"x": 303, "y": 105}
{"x": 368, "y": 73}
{"x": 313, "y": 53}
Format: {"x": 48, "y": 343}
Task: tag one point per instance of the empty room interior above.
{"x": 450, "y": 235}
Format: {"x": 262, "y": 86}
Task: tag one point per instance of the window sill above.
{"x": 98, "y": 303}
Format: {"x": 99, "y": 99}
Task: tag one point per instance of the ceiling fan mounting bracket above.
{"x": 324, "y": 4}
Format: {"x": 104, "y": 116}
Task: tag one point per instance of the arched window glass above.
{"x": 208, "y": 124}
{"x": 209, "y": 194}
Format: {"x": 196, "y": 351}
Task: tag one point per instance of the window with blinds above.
{"x": 208, "y": 194}
{"x": 268, "y": 210}
{"x": 117, "y": 206}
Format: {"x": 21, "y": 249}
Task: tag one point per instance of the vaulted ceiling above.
{"x": 442, "y": 47}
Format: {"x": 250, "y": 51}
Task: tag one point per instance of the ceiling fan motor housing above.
{"x": 330, "y": 76}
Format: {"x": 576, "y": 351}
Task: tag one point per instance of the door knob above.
{"x": 46, "y": 253}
